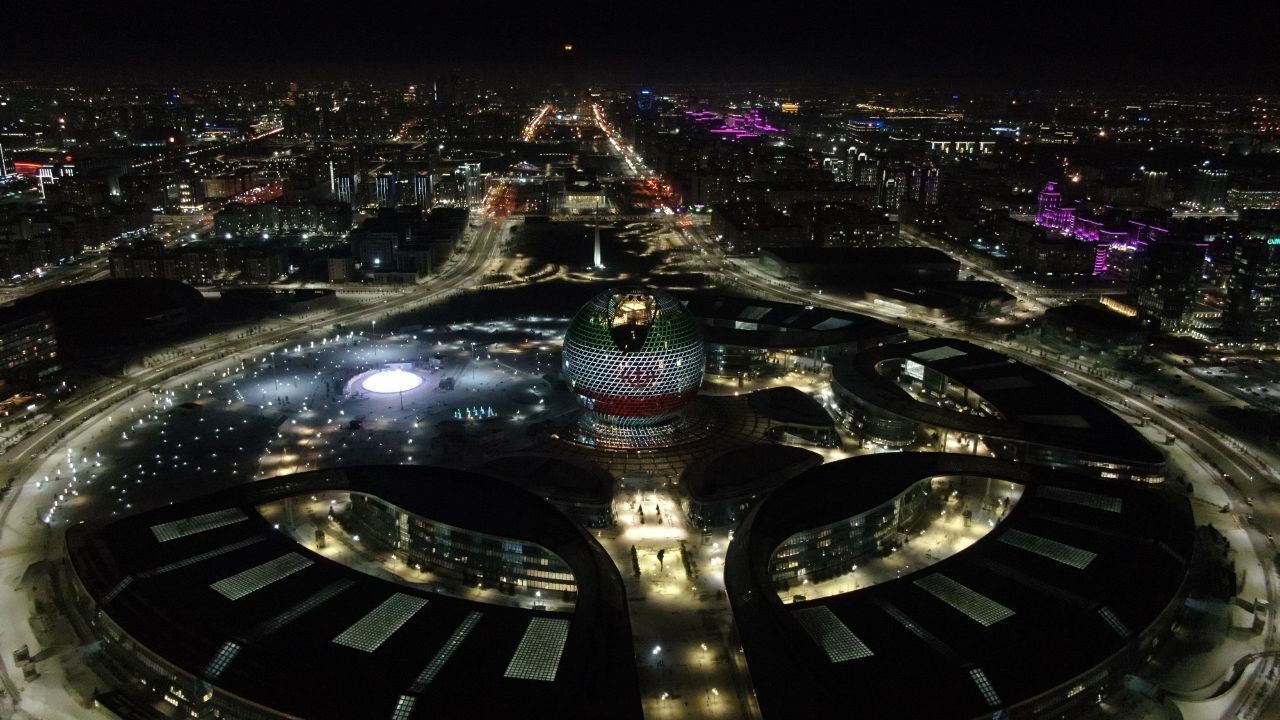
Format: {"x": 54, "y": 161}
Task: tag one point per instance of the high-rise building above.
{"x": 1049, "y": 206}
{"x": 28, "y": 345}
{"x": 924, "y": 185}
{"x": 422, "y": 190}
{"x": 1211, "y": 189}
{"x": 1155, "y": 188}
{"x": 1168, "y": 280}
{"x": 198, "y": 264}
{"x": 344, "y": 188}
{"x": 900, "y": 182}
{"x": 895, "y": 182}
{"x": 386, "y": 190}
{"x": 472, "y": 182}
{"x": 1253, "y": 290}
{"x": 862, "y": 169}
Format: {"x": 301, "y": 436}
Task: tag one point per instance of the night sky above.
{"x": 1173, "y": 44}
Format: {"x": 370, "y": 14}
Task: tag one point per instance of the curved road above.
{"x": 1248, "y": 466}
{"x": 21, "y": 460}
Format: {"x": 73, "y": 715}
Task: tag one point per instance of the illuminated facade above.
{"x": 460, "y": 555}
{"x": 633, "y": 357}
{"x": 1253, "y": 291}
{"x": 28, "y": 345}
{"x": 1112, "y": 241}
{"x": 748, "y": 125}
{"x": 825, "y": 552}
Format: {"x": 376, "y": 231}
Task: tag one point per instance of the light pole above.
{"x": 275, "y": 375}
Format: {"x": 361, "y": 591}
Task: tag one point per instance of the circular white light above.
{"x": 391, "y": 381}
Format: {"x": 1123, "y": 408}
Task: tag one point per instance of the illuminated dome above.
{"x": 391, "y": 381}
{"x": 633, "y": 357}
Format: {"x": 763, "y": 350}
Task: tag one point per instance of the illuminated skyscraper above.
{"x": 1155, "y": 188}
{"x": 1168, "y": 280}
{"x": 1253, "y": 290}
{"x": 1211, "y": 189}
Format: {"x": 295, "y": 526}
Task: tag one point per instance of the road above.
{"x": 1253, "y": 486}
{"x": 456, "y": 275}
{"x": 1251, "y": 482}
{"x": 20, "y": 547}
{"x": 158, "y": 163}
{"x": 91, "y": 268}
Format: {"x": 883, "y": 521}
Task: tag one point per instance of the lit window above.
{"x": 370, "y": 631}
{"x": 537, "y": 657}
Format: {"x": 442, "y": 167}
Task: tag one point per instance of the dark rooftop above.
{"x": 861, "y": 256}
{"x": 553, "y": 478}
{"x": 1035, "y": 406}
{"x": 10, "y": 314}
{"x": 1095, "y": 315}
{"x": 747, "y": 471}
{"x": 943, "y": 296}
{"x": 116, "y": 301}
{"x": 789, "y": 405}
{"x": 297, "y": 668}
{"x": 768, "y": 324}
{"x": 838, "y": 212}
{"x": 753, "y": 215}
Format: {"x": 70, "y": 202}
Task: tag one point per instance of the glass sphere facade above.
{"x": 634, "y": 356}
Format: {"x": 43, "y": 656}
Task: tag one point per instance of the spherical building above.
{"x": 634, "y": 358}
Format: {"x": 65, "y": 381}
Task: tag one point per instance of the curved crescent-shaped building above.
{"x": 949, "y": 394}
{"x": 1073, "y": 587}
{"x": 634, "y": 356}
{"x": 750, "y": 336}
{"x": 209, "y": 607}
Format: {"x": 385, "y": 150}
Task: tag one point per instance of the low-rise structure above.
{"x": 948, "y": 394}
{"x": 1095, "y": 330}
{"x": 855, "y": 266}
{"x": 751, "y": 337}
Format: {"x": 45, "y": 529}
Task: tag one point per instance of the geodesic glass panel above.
{"x": 634, "y": 356}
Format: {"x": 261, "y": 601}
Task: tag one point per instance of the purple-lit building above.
{"x": 1114, "y": 238}
{"x": 749, "y": 125}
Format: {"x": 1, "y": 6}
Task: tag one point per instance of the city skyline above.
{"x": 713, "y": 363}
{"x": 989, "y": 45}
